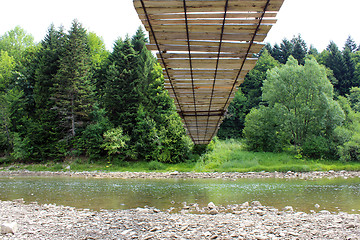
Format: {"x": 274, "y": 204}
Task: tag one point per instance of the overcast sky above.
{"x": 318, "y": 21}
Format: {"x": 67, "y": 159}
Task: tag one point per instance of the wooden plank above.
{"x": 197, "y": 82}
{"x": 263, "y": 29}
{"x": 204, "y": 43}
{"x": 201, "y": 72}
{"x": 156, "y": 7}
{"x": 209, "y": 66}
{"x": 211, "y": 63}
{"x": 209, "y": 15}
{"x": 255, "y": 48}
{"x": 223, "y": 55}
{"x": 244, "y": 36}
{"x": 212, "y": 4}
{"x": 196, "y": 21}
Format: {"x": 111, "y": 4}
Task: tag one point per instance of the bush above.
{"x": 350, "y": 151}
{"x": 262, "y": 132}
{"x": 316, "y": 147}
{"x": 155, "y": 165}
{"x": 115, "y": 142}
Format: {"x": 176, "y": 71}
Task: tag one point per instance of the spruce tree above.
{"x": 350, "y": 44}
{"x": 299, "y": 50}
{"x": 46, "y": 129}
{"x": 337, "y": 62}
{"x": 122, "y": 95}
{"x": 74, "y": 89}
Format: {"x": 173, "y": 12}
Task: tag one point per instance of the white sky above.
{"x": 318, "y": 21}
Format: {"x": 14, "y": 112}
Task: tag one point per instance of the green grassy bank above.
{"x": 223, "y": 156}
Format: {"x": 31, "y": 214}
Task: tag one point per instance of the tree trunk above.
{"x": 72, "y": 116}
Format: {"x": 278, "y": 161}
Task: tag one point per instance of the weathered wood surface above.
{"x": 206, "y": 48}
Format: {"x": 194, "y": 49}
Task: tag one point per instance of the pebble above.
{"x": 255, "y": 203}
{"x": 211, "y": 205}
{"x": 9, "y": 227}
{"x": 175, "y": 174}
{"x": 243, "y": 221}
{"x": 213, "y": 211}
{"x": 288, "y": 209}
{"x": 59, "y": 222}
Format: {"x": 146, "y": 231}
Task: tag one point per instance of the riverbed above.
{"x": 334, "y": 194}
{"x": 251, "y": 214}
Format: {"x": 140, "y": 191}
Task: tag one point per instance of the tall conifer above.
{"x": 74, "y": 89}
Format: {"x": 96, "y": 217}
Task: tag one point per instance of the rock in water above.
{"x": 288, "y": 209}
{"x": 255, "y": 204}
{"x": 9, "y": 227}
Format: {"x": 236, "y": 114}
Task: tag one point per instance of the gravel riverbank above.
{"x": 188, "y": 175}
{"x": 246, "y": 221}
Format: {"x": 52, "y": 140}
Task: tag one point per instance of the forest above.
{"x": 68, "y": 97}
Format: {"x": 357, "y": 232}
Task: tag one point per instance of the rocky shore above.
{"x": 188, "y": 175}
{"x": 246, "y": 221}
{"x": 20, "y": 220}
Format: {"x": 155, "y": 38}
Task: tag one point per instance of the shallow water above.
{"x": 331, "y": 194}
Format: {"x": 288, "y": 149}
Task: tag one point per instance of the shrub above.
{"x": 155, "y": 165}
{"x": 316, "y": 147}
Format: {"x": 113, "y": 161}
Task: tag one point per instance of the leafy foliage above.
{"x": 68, "y": 97}
{"x": 247, "y": 97}
{"x": 300, "y": 107}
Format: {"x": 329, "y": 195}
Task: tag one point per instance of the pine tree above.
{"x": 73, "y": 87}
{"x": 349, "y": 69}
{"x": 45, "y": 129}
{"x": 350, "y": 44}
{"x": 122, "y": 96}
{"x": 337, "y": 62}
{"x": 299, "y": 50}
{"x": 313, "y": 51}
{"x": 286, "y": 48}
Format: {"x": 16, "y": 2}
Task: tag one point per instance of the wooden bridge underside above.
{"x": 206, "y": 47}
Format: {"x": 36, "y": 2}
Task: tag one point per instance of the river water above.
{"x": 331, "y": 194}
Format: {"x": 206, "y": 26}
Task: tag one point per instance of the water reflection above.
{"x": 333, "y": 195}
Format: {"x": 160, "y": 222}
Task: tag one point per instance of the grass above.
{"x": 231, "y": 156}
{"x": 226, "y": 156}
{"x": 85, "y": 165}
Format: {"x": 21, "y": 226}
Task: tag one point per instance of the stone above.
{"x": 351, "y": 225}
{"x": 207, "y": 234}
{"x": 143, "y": 210}
{"x": 255, "y": 204}
{"x": 9, "y": 227}
{"x": 20, "y": 200}
{"x": 261, "y": 237}
{"x": 260, "y": 212}
{"x": 213, "y": 211}
{"x": 211, "y": 205}
{"x": 126, "y": 232}
{"x": 288, "y": 209}
{"x": 324, "y": 212}
{"x": 317, "y": 206}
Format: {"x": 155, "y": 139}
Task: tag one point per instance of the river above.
{"x": 303, "y": 195}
